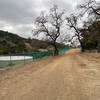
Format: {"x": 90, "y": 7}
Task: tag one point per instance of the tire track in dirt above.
{"x": 65, "y": 77}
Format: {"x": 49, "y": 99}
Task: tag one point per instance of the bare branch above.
{"x": 50, "y": 24}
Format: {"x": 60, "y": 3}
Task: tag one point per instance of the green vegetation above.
{"x": 4, "y": 64}
{"x": 88, "y": 34}
{"x": 35, "y": 56}
{"x": 11, "y": 43}
{"x": 91, "y": 38}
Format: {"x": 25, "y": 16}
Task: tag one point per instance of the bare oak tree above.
{"x": 50, "y": 25}
{"x": 92, "y": 8}
{"x": 72, "y": 22}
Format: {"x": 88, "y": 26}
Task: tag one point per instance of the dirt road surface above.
{"x": 69, "y": 76}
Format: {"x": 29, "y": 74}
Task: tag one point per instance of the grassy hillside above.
{"x": 11, "y": 43}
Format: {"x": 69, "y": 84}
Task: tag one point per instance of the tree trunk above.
{"x": 82, "y": 48}
{"x": 98, "y": 47}
{"x": 55, "y": 49}
{"x": 82, "y": 45}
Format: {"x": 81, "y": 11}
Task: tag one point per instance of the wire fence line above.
{"x": 10, "y": 60}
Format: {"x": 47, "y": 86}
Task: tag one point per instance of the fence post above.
{"x": 33, "y": 56}
{"x": 10, "y": 59}
{"x": 40, "y": 55}
{"x": 24, "y": 57}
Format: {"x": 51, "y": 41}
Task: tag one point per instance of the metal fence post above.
{"x": 33, "y": 56}
{"x": 10, "y": 60}
{"x": 24, "y": 57}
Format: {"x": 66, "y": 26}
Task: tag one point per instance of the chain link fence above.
{"x": 11, "y": 60}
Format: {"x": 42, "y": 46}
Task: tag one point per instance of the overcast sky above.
{"x": 18, "y": 16}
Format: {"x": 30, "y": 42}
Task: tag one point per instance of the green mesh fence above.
{"x": 65, "y": 49}
{"x": 32, "y": 57}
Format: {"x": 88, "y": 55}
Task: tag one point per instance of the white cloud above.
{"x": 17, "y": 16}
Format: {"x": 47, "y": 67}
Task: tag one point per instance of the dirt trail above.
{"x": 70, "y": 76}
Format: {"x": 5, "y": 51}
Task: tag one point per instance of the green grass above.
{"x": 5, "y": 64}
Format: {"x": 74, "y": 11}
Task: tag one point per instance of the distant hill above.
{"x": 12, "y": 43}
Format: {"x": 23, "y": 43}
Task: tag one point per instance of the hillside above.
{"x": 11, "y": 43}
